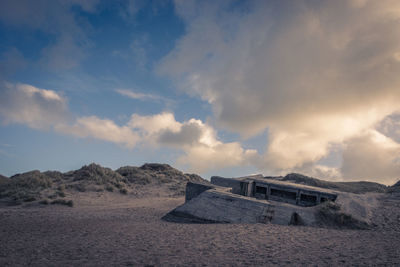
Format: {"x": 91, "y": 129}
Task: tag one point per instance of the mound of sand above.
{"x": 50, "y": 186}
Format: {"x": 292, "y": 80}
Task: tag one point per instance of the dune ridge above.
{"x": 138, "y": 181}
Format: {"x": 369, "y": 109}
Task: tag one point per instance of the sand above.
{"x": 108, "y": 229}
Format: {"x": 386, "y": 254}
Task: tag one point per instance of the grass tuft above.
{"x": 69, "y": 203}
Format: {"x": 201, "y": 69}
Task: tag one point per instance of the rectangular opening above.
{"x": 283, "y": 194}
{"x": 308, "y": 198}
{"x": 261, "y": 190}
{"x": 323, "y": 199}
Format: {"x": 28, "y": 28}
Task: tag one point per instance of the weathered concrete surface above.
{"x": 262, "y": 188}
{"x": 219, "y": 206}
{"x": 227, "y": 182}
{"x": 208, "y": 204}
{"x": 195, "y": 189}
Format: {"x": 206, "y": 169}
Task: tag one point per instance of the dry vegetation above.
{"x": 3, "y": 179}
{"x": 52, "y": 186}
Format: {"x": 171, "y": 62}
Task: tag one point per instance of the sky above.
{"x": 226, "y": 88}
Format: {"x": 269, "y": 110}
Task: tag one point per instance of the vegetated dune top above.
{"x": 351, "y": 187}
{"x": 394, "y": 188}
{"x": 36, "y": 185}
{"x": 3, "y": 179}
{"x": 149, "y": 179}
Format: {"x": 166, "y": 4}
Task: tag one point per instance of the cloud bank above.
{"x": 321, "y": 76}
{"x": 316, "y": 74}
{"x": 200, "y": 147}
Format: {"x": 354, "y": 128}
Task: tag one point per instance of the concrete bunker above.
{"x": 251, "y": 199}
{"x": 261, "y": 188}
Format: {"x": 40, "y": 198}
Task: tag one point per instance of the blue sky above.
{"x": 213, "y": 87}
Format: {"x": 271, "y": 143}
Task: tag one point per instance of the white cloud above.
{"x": 371, "y": 156}
{"x": 202, "y": 158}
{"x": 31, "y": 91}
{"x": 137, "y": 95}
{"x": 102, "y": 129}
{"x": 202, "y": 150}
{"x": 45, "y": 109}
{"x": 315, "y": 73}
{"x": 35, "y": 107}
{"x": 153, "y": 124}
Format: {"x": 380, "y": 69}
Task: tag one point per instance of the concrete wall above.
{"x": 292, "y": 195}
{"x": 214, "y": 205}
{"x": 227, "y": 182}
{"x": 194, "y": 189}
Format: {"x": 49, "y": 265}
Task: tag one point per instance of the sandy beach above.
{"x": 106, "y": 229}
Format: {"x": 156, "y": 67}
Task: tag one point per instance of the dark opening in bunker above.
{"x": 296, "y": 219}
{"x": 308, "y": 198}
{"x": 261, "y": 190}
{"x": 323, "y": 199}
{"x": 283, "y": 194}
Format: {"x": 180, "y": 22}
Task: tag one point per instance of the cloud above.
{"x": 35, "y": 107}
{"x": 153, "y": 124}
{"x": 316, "y": 74}
{"x": 372, "y": 156}
{"x": 56, "y": 19}
{"x": 202, "y": 149}
{"x": 188, "y": 134}
{"x": 102, "y": 129}
{"x": 138, "y": 96}
{"x": 390, "y": 126}
{"x": 46, "y": 109}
